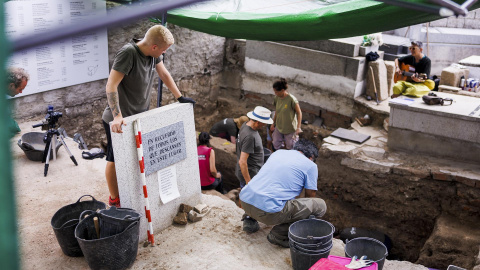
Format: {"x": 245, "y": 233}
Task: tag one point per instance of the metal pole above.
{"x": 459, "y": 10}
{"x": 114, "y": 18}
{"x": 8, "y": 220}
{"x": 468, "y": 4}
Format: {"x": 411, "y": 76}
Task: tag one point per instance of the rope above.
{"x": 138, "y": 139}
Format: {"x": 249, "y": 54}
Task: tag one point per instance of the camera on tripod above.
{"x": 50, "y": 120}
{"x": 52, "y": 136}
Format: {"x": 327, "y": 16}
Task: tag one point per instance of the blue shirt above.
{"x": 281, "y": 179}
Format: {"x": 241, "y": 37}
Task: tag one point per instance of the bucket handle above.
{"x": 84, "y": 213}
{"x": 68, "y": 223}
{"x": 306, "y": 250}
{"x": 311, "y": 245}
{"x": 24, "y": 146}
{"x": 93, "y": 199}
{"x": 131, "y": 225}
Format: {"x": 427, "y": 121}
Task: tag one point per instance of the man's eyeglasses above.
{"x": 412, "y": 48}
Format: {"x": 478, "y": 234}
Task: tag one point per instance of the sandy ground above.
{"x": 216, "y": 242}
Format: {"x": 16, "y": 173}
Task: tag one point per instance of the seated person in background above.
{"x": 419, "y": 63}
{"x": 17, "y": 79}
{"x": 209, "y": 177}
{"x": 270, "y": 196}
{"x": 228, "y": 128}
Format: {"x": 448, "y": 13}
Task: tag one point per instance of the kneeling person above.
{"x": 270, "y": 196}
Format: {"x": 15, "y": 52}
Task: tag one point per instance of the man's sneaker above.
{"x": 250, "y": 225}
{"x": 115, "y": 202}
{"x": 274, "y": 240}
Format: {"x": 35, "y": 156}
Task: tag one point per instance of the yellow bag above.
{"x": 429, "y": 83}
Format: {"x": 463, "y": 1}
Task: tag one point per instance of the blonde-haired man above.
{"x": 129, "y": 88}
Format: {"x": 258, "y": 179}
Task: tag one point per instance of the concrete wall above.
{"x": 327, "y": 81}
{"x": 471, "y": 21}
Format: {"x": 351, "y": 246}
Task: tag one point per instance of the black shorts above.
{"x": 109, "y": 142}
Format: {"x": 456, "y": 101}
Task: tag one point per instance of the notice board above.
{"x": 75, "y": 60}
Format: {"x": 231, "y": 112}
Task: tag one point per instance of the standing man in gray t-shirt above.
{"x": 250, "y": 154}
{"x": 129, "y": 89}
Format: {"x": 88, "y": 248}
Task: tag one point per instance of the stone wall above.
{"x": 471, "y": 21}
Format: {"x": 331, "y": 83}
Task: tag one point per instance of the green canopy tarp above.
{"x": 283, "y": 20}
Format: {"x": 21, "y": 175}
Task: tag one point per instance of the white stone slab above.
{"x": 461, "y": 120}
{"x": 373, "y": 152}
{"x": 332, "y": 140}
{"x": 341, "y": 148}
{"x": 473, "y": 61}
{"x": 128, "y": 172}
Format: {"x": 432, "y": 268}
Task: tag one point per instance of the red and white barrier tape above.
{"x": 138, "y": 139}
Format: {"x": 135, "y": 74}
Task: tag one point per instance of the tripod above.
{"x": 50, "y": 139}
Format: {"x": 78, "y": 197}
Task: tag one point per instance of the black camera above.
{"x": 50, "y": 120}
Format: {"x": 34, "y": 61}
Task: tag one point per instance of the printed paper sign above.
{"x": 167, "y": 183}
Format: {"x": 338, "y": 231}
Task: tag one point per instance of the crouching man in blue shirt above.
{"x": 270, "y": 196}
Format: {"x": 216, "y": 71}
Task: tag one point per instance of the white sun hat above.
{"x": 261, "y": 114}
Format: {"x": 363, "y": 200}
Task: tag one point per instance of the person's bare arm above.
{"x": 233, "y": 139}
{"x": 299, "y": 119}
{"x": 168, "y": 80}
{"x": 272, "y": 127}
{"x": 244, "y": 166}
{"x": 309, "y": 193}
{"x": 113, "y": 81}
{"x": 213, "y": 168}
{"x": 397, "y": 66}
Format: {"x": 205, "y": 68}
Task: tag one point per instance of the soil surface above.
{"x": 216, "y": 242}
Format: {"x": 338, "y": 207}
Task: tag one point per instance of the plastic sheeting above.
{"x": 287, "y": 20}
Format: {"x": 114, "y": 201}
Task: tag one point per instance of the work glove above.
{"x": 360, "y": 263}
{"x": 183, "y": 99}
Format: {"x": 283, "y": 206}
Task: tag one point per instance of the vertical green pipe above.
{"x": 8, "y": 230}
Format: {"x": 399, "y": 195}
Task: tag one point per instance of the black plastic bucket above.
{"x": 364, "y": 246}
{"x": 311, "y": 231}
{"x": 33, "y": 145}
{"x": 304, "y": 259}
{"x": 65, "y": 220}
{"x": 350, "y": 233}
{"x": 117, "y": 246}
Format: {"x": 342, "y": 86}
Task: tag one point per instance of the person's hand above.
{"x": 398, "y": 70}
{"x": 117, "y": 124}
{"x": 218, "y": 175}
{"x": 298, "y": 131}
{"x": 183, "y": 99}
{"x": 416, "y": 79}
{"x": 272, "y": 128}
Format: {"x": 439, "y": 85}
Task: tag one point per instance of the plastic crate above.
{"x": 341, "y": 261}
{"x": 324, "y": 263}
